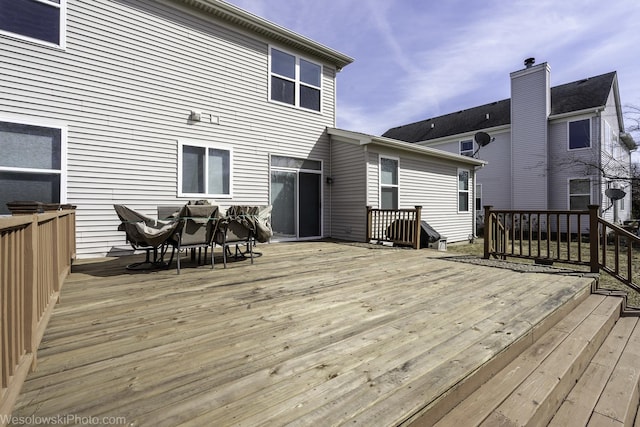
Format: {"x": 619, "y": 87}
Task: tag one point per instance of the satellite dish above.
{"x": 482, "y": 138}
{"x": 615, "y": 193}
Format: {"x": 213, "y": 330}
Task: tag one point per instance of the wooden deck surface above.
{"x": 313, "y": 333}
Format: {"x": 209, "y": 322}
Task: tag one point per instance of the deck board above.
{"x": 312, "y": 332}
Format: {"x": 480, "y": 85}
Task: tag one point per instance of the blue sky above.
{"x": 416, "y": 59}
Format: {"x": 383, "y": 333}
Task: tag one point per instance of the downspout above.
{"x": 329, "y": 185}
{"x": 473, "y": 203}
{"x": 599, "y": 182}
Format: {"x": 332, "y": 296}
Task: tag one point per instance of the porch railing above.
{"x": 36, "y": 252}
{"x": 571, "y": 237}
{"x": 398, "y": 226}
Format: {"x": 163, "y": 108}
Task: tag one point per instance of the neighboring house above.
{"x": 157, "y": 102}
{"x": 549, "y": 145}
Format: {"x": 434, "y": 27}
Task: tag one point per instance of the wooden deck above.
{"x": 313, "y": 333}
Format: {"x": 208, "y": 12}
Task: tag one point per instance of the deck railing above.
{"x": 398, "y": 226}
{"x": 570, "y": 237}
{"x": 36, "y": 252}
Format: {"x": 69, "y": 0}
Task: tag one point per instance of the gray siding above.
{"x": 568, "y": 164}
{"x": 495, "y": 177}
{"x": 131, "y": 73}
{"x": 348, "y": 191}
{"x": 530, "y": 107}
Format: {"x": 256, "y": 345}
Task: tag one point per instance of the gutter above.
{"x": 365, "y": 140}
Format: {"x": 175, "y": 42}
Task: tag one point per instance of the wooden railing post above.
{"x": 488, "y": 227}
{"x": 369, "y": 214}
{"x": 593, "y": 238}
{"x": 418, "y": 228}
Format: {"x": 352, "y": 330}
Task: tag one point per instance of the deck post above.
{"x": 488, "y": 225}
{"x": 418, "y": 228}
{"x": 368, "y": 235}
{"x": 593, "y": 238}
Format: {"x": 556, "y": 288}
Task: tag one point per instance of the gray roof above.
{"x": 576, "y": 96}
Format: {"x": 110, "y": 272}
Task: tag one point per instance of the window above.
{"x": 41, "y": 20}
{"x": 580, "y": 134}
{"x": 295, "y": 80}
{"x": 463, "y": 190}
{"x": 478, "y": 197}
{"x": 204, "y": 170}
{"x": 466, "y": 148}
{"x": 32, "y": 163}
{"x": 579, "y": 194}
{"x": 388, "y": 183}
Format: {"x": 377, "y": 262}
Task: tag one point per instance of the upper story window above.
{"x": 388, "y": 183}
{"x": 580, "y": 134}
{"x": 204, "y": 170}
{"x": 463, "y": 190}
{"x": 32, "y": 164}
{"x": 39, "y": 20}
{"x": 295, "y": 81}
{"x": 466, "y": 148}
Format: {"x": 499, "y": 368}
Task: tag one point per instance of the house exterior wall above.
{"x": 495, "y": 177}
{"x": 615, "y": 159}
{"x": 431, "y": 183}
{"x": 530, "y": 108}
{"x": 131, "y": 72}
{"x": 565, "y": 164}
{"x": 348, "y": 191}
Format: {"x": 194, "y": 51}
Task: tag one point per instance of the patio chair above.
{"x": 148, "y": 234}
{"x": 243, "y": 225}
{"x": 197, "y": 227}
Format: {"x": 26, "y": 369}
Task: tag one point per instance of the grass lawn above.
{"x": 606, "y": 281}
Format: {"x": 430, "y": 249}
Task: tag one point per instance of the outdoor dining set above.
{"x": 194, "y": 226}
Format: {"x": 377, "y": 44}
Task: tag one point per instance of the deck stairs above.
{"x": 582, "y": 371}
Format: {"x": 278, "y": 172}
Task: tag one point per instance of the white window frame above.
{"x": 63, "y": 150}
{"x": 382, "y": 185}
{"x": 459, "y": 191}
{"x": 206, "y": 145}
{"x": 590, "y": 137}
{"x": 63, "y": 27}
{"x": 469, "y": 152}
{"x": 569, "y": 194}
{"x": 296, "y": 81}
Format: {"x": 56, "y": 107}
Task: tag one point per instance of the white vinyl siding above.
{"x": 125, "y": 86}
{"x": 348, "y": 191}
{"x": 433, "y": 184}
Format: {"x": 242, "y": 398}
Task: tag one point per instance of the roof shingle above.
{"x": 575, "y": 96}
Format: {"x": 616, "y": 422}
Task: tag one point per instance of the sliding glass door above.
{"x": 296, "y": 197}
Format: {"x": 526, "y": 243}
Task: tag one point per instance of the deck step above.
{"x": 530, "y": 389}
